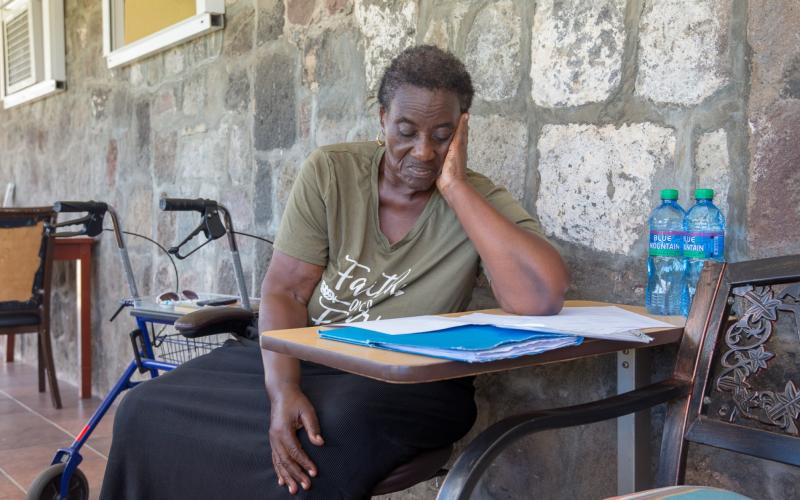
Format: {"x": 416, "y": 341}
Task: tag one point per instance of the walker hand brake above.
{"x": 211, "y": 225}
{"x": 122, "y": 305}
{"x": 92, "y": 222}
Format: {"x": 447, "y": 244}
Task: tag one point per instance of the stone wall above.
{"x": 585, "y": 110}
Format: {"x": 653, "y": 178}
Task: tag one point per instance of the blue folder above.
{"x": 472, "y": 343}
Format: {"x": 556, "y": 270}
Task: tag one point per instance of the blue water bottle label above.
{"x": 718, "y": 252}
{"x": 666, "y": 243}
{"x": 704, "y": 245}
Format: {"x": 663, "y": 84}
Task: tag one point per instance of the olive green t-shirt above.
{"x": 331, "y": 220}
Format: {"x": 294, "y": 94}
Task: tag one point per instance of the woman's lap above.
{"x": 201, "y": 431}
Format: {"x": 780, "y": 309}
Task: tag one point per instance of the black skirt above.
{"x": 201, "y": 431}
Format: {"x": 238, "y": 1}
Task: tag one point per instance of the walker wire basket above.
{"x": 172, "y": 347}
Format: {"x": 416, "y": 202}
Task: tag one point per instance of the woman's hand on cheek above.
{"x": 455, "y": 163}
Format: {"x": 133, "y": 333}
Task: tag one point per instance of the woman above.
{"x": 371, "y": 230}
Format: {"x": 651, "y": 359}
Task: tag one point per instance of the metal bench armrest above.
{"x": 479, "y": 454}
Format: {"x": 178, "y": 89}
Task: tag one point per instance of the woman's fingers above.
{"x": 278, "y": 470}
{"x": 299, "y": 465}
{"x": 292, "y": 465}
{"x": 291, "y": 462}
{"x": 290, "y": 483}
{"x": 311, "y": 424}
{"x": 289, "y": 474}
{"x": 464, "y": 129}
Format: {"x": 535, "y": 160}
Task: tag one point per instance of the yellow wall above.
{"x": 145, "y": 17}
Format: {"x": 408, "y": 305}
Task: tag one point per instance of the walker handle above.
{"x": 80, "y": 206}
{"x": 185, "y": 204}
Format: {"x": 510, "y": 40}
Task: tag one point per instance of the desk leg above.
{"x": 633, "y": 431}
{"x": 84, "y": 272}
{"x": 10, "y": 348}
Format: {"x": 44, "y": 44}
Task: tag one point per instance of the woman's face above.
{"x": 418, "y": 125}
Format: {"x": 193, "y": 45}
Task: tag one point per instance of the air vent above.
{"x": 17, "y": 43}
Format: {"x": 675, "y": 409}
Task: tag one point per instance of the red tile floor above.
{"x": 31, "y": 431}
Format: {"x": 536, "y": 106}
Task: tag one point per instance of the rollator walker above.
{"x": 153, "y": 352}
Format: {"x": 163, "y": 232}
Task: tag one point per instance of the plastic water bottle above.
{"x": 665, "y": 266}
{"x": 704, "y": 240}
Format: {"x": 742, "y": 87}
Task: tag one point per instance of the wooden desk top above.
{"x": 396, "y": 367}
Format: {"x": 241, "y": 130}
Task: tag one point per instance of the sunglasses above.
{"x": 171, "y": 297}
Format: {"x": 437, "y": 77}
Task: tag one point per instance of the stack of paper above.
{"x": 479, "y": 337}
{"x": 471, "y": 343}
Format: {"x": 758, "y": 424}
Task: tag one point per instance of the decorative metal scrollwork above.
{"x": 746, "y": 355}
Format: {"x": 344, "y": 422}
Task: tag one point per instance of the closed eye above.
{"x": 441, "y": 138}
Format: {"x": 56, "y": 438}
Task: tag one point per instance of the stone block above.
{"x": 683, "y": 50}
{"x": 136, "y": 205}
{"x": 201, "y": 157}
{"x": 737, "y": 472}
{"x": 335, "y": 6}
{"x": 196, "y": 51}
{"x": 175, "y": 60}
{"x": 498, "y": 148}
{"x": 576, "y": 51}
{"x": 275, "y": 117}
{"x": 240, "y": 153}
{"x": 773, "y": 205}
{"x": 595, "y": 182}
{"x": 387, "y": 30}
{"x": 774, "y": 202}
{"x": 492, "y": 52}
{"x": 165, "y": 148}
{"x": 112, "y": 155}
{"x": 238, "y": 199}
{"x": 164, "y": 102}
{"x": 237, "y": 94}
{"x": 300, "y": 11}
{"x": 99, "y": 100}
{"x": 270, "y": 21}
{"x": 341, "y": 89}
{"x": 263, "y": 193}
{"x": 154, "y": 74}
{"x": 791, "y": 79}
{"x": 142, "y": 110}
{"x": 712, "y": 167}
{"x": 284, "y": 172}
{"x": 194, "y": 94}
{"x": 444, "y": 28}
{"x": 239, "y": 32}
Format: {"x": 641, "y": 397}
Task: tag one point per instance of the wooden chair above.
{"x": 26, "y": 256}
{"x": 735, "y": 385}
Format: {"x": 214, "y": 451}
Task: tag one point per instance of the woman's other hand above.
{"x": 454, "y": 169}
{"x": 291, "y": 411}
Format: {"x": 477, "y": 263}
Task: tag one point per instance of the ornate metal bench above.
{"x": 735, "y": 385}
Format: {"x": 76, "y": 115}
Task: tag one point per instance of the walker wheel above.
{"x": 46, "y": 484}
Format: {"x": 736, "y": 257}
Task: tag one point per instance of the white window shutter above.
{"x": 21, "y": 32}
{"x": 19, "y": 53}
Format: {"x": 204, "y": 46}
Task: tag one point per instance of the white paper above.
{"x": 401, "y": 326}
{"x": 605, "y": 322}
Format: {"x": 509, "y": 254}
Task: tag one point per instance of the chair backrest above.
{"x": 740, "y": 349}
{"x": 25, "y": 257}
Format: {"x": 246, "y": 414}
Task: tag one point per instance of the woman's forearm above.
{"x": 279, "y": 311}
{"x": 528, "y": 275}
